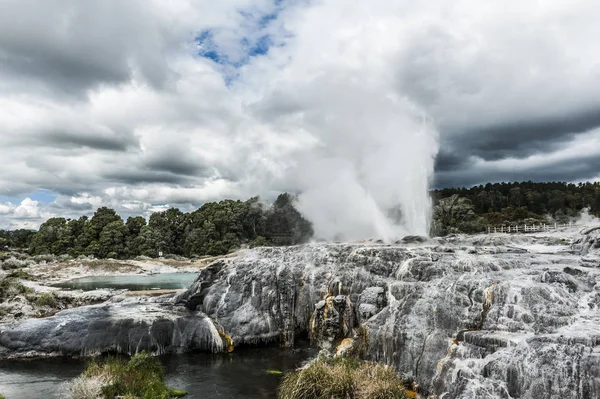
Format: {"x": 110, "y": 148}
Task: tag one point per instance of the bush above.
{"x": 46, "y": 299}
{"x": 10, "y": 287}
{"x": 259, "y": 241}
{"x": 342, "y": 378}
{"x": 20, "y": 274}
{"x": 141, "y": 377}
{"x": 46, "y": 258}
{"x": 13, "y": 263}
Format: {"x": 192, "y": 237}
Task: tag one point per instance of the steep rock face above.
{"x": 494, "y": 316}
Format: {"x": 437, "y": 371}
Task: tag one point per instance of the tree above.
{"x": 453, "y": 215}
{"x": 285, "y": 225}
{"x": 112, "y": 242}
{"x": 52, "y": 238}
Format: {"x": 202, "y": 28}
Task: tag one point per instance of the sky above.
{"x": 141, "y": 105}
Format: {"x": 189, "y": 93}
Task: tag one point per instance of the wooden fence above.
{"x": 527, "y": 228}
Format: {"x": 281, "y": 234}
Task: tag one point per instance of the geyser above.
{"x": 369, "y": 175}
{"x": 358, "y": 151}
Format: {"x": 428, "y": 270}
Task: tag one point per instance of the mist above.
{"x": 369, "y": 174}
{"x": 366, "y": 152}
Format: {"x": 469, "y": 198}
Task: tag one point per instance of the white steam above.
{"x": 369, "y": 176}
{"x": 365, "y": 170}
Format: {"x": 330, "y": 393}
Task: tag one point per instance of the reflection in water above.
{"x": 165, "y": 281}
{"x": 241, "y": 374}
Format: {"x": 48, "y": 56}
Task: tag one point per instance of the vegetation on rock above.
{"x": 141, "y": 377}
{"x": 10, "y": 287}
{"x": 342, "y": 378}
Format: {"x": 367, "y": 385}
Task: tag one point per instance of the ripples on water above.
{"x": 241, "y": 374}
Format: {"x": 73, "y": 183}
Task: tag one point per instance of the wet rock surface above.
{"x": 123, "y": 328}
{"x": 494, "y": 316}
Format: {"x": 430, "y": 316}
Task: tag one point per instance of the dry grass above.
{"x": 141, "y": 377}
{"x": 342, "y": 378}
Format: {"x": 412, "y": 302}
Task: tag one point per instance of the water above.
{"x": 166, "y": 281}
{"x": 241, "y": 374}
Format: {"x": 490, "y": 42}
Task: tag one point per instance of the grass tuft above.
{"x": 46, "y": 299}
{"x": 19, "y": 273}
{"x": 141, "y": 377}
{"x": 10, "y": 287}
{"x": 342, "y": 378}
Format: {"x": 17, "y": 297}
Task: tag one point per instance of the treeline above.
{"x": 473, "y": 209}
{"x": 216, "y": 228}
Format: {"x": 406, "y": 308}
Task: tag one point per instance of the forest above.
{"x": 220, "y": 227}
{"x": 215, "y": 228}
{"x": 470, "y": 210}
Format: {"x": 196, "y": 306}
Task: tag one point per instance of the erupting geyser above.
{"x": 369, "y": 174}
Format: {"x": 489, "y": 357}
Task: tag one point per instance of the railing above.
{"x": 527, "y": 228}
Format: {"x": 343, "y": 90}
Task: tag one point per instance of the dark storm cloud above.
{"x": 137, "y": 177}
{"x": 177, "y": 160}
{"x": 516, "y": 139}
{"x": 73, "y": 46}
{"x": 569, "y": 170}
{"x": 62, "y": 203}
{"x": 62, "y": 139}
{"x": 520, "y": 138}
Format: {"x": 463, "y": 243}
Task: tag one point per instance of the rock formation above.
{"x": 494, "y": 316}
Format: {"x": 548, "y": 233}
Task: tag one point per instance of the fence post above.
{"x": 495, "y": 231}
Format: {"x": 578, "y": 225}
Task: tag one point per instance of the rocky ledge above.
{"x": 482, "y": 316}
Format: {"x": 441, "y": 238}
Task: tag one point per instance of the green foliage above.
{"x": 538, "y": 198}
{"x": 273, "y": 372}
{"x": 140, "y": 377}
{"x": 342, "y": 378}
{"x": 16, "y": 239}
{"x": 46, "y": 299}
{"x": 10, "y": 287}
{"x": 516, "y": 203}
{"x": 23, "y": 275}
{"x": 454, "y": 214}
{"x": 177, "y": 393}
{"x": 216, "y": 228}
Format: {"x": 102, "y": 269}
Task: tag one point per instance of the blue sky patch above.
{"x": 44, "y": 196}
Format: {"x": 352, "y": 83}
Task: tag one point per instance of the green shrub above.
{"x": 141, "y": 377}
{"x": 46, "y": 299}
{"x": 2, "y": 396}
{"x": 259, "y": 241}
{"x": 10, "y": 287}
{"x": 20, "y": 274}
{"x": 13, "y": 263}
{"x": 342, "y": 378}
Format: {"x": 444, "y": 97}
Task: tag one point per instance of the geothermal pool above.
{"x": 241, "y": 374}
{"x": 165, "y": 281}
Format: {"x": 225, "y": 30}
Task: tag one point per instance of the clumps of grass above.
{"x": 13, "y": 263}
{"x": 22, "y": 274}
{"x": 10, "y": 287}
{"x": 342, "y": 378}
{"x": 141, "y": 377}
{"x": 46, "y": 299}
{"x": 2, "y": 396}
